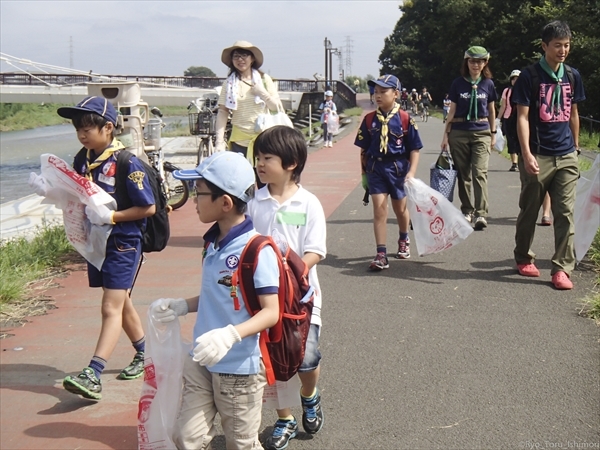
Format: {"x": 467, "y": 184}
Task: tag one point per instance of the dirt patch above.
{"x": 35, "y": 301}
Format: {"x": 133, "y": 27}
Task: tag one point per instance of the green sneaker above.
{"x": 135, "y": 369}
{"x": 85, "y": 384}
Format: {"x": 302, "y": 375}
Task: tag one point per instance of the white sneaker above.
{"x": 331, "y": 143}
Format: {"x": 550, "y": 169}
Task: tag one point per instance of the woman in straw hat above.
{"x": 471, "y": 132}
{"x": 245, "y": 94}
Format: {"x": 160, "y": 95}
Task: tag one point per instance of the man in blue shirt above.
{"x": 549, "y": 139}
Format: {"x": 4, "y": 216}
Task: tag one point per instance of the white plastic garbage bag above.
{"x": 500, "y": 139}
{"x": 71, "y": 192}
{"x": 333, "y": 123}
{"x": 587, "y": 209}
{"x": 437, "y": 223}
{"x": 161, "y": 392}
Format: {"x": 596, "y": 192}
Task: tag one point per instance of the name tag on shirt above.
{"x": 106, "y": 180}
{"x": 291, "y": 218}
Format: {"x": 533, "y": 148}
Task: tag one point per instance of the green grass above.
{"x": 23, "y": 261}
{"x": 591, "y": 304}
{"x": 176, "y": 129}
{"x": 25, "y": 116}
{"x": 356, "y": 111}
{"x": 589, "y": 142}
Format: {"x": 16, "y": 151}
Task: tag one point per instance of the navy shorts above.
{"x": 312, "y": 354}
{"x": 387, "y": 177}
{"x": 120, "y": 265}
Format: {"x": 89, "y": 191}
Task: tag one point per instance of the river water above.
{"x": 20, "y": 154}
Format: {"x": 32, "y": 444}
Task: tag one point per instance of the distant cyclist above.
{"x": 404, "y": 99}
{"x": 424, "y": 100}
{"x": 414, "y": 100}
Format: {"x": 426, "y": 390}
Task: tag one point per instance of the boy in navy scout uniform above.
{"x": 224, "y": 373}
{"x": 390, "y": 145}
{"x": 95, "y": 120}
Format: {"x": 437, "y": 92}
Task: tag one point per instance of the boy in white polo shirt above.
{"x": 283, "y": 207}
{"x": 224, "y": 373}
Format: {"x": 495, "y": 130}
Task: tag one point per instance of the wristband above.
{"x": 112, "y": 218}
{"x": 494, "y": 132}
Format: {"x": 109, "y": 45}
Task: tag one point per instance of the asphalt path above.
{"x": 449, "y": 351}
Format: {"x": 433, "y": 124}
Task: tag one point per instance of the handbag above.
{"x": 266, "y": 119}
{"x": 443, "y": 175}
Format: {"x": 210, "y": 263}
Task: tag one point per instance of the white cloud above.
{"x": 166, "y": 37}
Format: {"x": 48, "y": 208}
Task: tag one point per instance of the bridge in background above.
{"x": 156, "y": 90}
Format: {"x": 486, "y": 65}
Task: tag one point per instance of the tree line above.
{"x": 427, "y": 45}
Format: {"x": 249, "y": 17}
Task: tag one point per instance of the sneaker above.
{"x": 513, "y": 168}
{"x": 312, "y": 414}
{"x": 528, "y": 270}
{"x": 283, "y": 431}
{"x": 561, "y": 281}
{"x": 135, "y": 369}
{"x": 469, "y": 217}
{"x": 85, "y": 384}
{"x": 331, "y": 143}
{"x": 403, "y": 249}
{"x": 480, "y": 223}
{"x": 380, "y": 262}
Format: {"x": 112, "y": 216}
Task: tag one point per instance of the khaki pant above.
{"x": 237, "y": 399}
{"x": 471, "y": 154}
{"x": 558, "y": 176}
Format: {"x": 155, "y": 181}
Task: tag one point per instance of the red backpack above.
{"x": 404, "y": 119}
{"x": 281, "y": 346}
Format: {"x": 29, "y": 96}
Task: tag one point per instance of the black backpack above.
{"x": 155, "y": 234}
{"x": 535, "y": 99}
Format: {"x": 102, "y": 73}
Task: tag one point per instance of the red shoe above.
{"x": 561, "y": 281}
{"x": 528, "y": 270}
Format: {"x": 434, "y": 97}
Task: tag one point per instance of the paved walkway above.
{"x": 453, "y": 350}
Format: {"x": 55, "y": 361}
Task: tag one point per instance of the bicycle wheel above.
{"x": 178, "y": 191}
{"x": 203, "y": 150}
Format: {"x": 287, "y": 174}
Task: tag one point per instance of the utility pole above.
{"x": 349, "y": 51}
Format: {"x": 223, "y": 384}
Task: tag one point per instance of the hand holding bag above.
{"x": 266, "y": 119}
{"x": 443, "y": 175}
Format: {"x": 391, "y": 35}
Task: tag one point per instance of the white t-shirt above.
{"x": 301, "y": 220}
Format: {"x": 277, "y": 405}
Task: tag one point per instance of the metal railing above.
{"x": 589, "y": 124}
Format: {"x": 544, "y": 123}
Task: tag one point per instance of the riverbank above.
{"x": 27, "y": 116}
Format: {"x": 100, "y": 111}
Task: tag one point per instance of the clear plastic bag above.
{"x": 437, "y": 223}
{"x": 500, "y": 139}
{"x": 587, "y": 209}
{"x": 333, "y": 123}
{"x": 161, "y": 393}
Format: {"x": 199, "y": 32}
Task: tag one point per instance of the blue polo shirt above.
{"x": 399, "y": 144}
{"x": 460, "y": 93}
{"x": 216, "y": 308}
{"x": 137, "y": 184}
{"x": 555, "y": 136}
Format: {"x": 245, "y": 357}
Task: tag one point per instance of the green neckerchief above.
{"x": 556, "y": 77}
{"x": 472, "y": 114}
{"x": 383, "y": 142}
{"x": 113, "y": 147}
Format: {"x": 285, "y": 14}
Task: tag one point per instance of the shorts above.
{"x": 312, "y": 354}
{"x": 120, "y": 265}
{"x": 387, "y": 177}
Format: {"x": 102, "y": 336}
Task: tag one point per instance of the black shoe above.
{"x": 312, "y": 414}
{"x": 283, "y": 431}
{"x": 135, "y": 369}
{"x": 480, "y": 223}
{"x": 85, "y": 384}
{"x": 513, "y": 168}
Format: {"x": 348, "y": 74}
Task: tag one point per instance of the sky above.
{"x": 166, "y": 37}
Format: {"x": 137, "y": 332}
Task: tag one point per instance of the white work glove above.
{"x": 214, "y": 345}
{"x": 166, "y": 310}
{"x": 220, "y": 146}
{"x": 104, "y": 217}
{"x": 38, "y": 184}
{"x": 259, "y": 89}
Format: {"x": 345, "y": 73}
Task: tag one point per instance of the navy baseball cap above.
{"x": 386, "y": 81}
{"x": 227, "y": 170}
{"x": 94, "y": 104}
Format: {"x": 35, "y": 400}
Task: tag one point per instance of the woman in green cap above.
{"x": 471, "y": 132}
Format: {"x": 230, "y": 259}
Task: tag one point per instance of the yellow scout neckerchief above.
{"x": 384, "y": 126}
{"x": 107, "y": 153}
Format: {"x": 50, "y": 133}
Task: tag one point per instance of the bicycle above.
{"x": 425, "y": 113}
{"x": 176, "y": 191}
{"x": 202, "y": 123}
